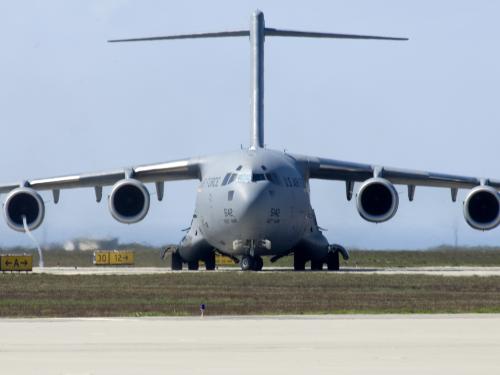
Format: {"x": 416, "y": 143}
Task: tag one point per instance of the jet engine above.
{"x": 482, "y": 208}
{"x": 129, "y": 201}
{"x": 23, "y": 202}
{"x": 377, "y": 200}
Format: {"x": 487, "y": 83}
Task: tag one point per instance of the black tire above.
{"x": 193, "y": 266}
{"x": 332, "y": 261}
{"x": 258, "y": 263}
{"x": 210, "y": 262}
{"x": 316, "y": 265}
{"x": 176, "y": 262}
{"x": 246, "y": 263}
{"x": 299, "y": 261}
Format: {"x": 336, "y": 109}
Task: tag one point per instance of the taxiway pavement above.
{"x": 442, "y": 271}
{"x": 347, "y": 344}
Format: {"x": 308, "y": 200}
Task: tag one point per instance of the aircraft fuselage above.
{"x": 250, "y": 202}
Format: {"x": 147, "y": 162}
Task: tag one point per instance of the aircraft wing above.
{"x": 184, "y": 169}
{"x": 329, "y": 169}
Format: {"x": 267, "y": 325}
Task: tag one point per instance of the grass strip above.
{"x": 237, "y": 293}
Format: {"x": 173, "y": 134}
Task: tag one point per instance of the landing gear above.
{"x": 258, "y": 264}
{"x": 176, "y": 262}
{"x": 299, "y": 261}
{"x": 246, "y": 263}
{"x": 249, "y": 263}
{"x": 210, "y": 262}
{"x": 316, "y": 265}
{"x": 332, "y": 261}
{"x": 193, "y": 266}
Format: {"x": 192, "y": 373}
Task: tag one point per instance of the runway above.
{"x": 436, "y": 271}
{"x": 385, "y": 344}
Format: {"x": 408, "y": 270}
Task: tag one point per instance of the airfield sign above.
{"x": 16, "y": 263}
{"x": 114, "y": 258}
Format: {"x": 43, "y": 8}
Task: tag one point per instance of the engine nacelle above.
{"x": 23, "y": 202}
{"x": 377, "y": 200}
{"x": 482, "y": 208}
{"x": 129, "y": 201}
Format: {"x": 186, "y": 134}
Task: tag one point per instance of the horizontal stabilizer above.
{"x": 222, "y": 34}
{"x": 312, "y": 34}
{"x": 267, "y": 32}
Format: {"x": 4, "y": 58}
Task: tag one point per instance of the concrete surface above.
{"x": 385, "y": 344}
{"x": 444, "y": 271}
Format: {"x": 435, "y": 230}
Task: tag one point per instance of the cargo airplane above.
{"x": 254, "y": 202}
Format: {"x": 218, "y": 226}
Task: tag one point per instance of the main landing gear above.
{"x": 177, "y": 262}
{"x": 249, "y": 263}
{"x": 331, "y": 260}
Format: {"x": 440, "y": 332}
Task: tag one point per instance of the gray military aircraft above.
{"x": 254, "y": 202}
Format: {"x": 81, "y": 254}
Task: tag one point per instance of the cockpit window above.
{"x": 258, "y": 177}
{"x": 244, "y": 177}
{"x": 226, "y": 178}
{"x": 247, "y": 176}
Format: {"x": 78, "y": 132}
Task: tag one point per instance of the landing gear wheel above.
{"x": 299, "y": 261}
{"x": 332, "y": 261}
{"x": 316, "y": 265}
{"x": 176, "y": 262}
{"x": 210, "y": 262}
{"x": 246, "y": 263}
{"x": 258, "y": 263}
{"x": 193, "y": 266}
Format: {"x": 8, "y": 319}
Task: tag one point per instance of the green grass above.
{"x": 229, "y": 293}
{"x": 442, "y": 256}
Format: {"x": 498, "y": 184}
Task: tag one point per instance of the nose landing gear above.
{"x": 249, "y": 263}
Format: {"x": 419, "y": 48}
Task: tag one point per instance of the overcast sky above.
{"x": 70, "y": 102}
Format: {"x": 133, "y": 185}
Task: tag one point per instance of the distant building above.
{"x": 85, "y": 244}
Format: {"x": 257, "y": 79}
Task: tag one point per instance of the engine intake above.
{"x": 129, "y": 201}
{"x": 23, "y": 202}
{"x": 482, "y": 208}
{"x": 377, "y": 200}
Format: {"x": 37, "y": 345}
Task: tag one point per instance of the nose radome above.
{"x": 255, "y": 196}
{"x": 254, "y": 204}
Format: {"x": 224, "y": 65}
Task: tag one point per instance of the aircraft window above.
{"x": 230, "y": 195}
{"x": 231, "y": 178}
{"x": 263, "y": 167}
{"x": 258, "y": 177}
{"x": 239, "y": 168}
{"x": 245, "y": 177}
{"x": 226, "y": 178}
{"x": 273, "y": 177}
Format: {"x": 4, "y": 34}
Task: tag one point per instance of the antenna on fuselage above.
{"x": 257, "y": 34}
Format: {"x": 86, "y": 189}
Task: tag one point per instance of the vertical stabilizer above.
{"x": 257, "y": 36}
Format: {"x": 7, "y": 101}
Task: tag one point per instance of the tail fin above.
{"x": 257, "y": 33}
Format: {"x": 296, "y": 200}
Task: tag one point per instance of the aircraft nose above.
{"x": 255, "y": 196}
{"x": 255, "y": 208}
